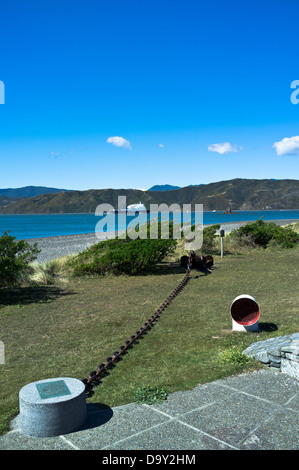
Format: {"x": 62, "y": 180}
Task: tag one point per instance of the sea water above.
{"x": 48, "y": 225}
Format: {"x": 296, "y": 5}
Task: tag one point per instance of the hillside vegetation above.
{"x": 28, "y": 191}
{"x": 237, "y": 194}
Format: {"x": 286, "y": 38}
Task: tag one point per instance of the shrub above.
{"x": 260, "y": 233}
{"x": 122, "y": 256}
{"x": 232, "y": 355}
{"x": 15, "y": 257}
{"x": 42, "y": 273}
{"x": 209, "y": 237}
{"x": 45, "y": 273}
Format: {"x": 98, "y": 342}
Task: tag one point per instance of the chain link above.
{"x": 94, "y": 375}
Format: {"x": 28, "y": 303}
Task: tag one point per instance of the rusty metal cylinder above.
{"x": 209, "y": 260}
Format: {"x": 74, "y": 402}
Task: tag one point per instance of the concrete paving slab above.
{"x": 275, "y": 387}
{"x": 293, "y": 403}
{"x": 14, "y": 440}
{"x": 125, "y": 421}
{"x": 278, "y": 433}
{"x": 171, "y": 435}
{"x": 256, "y": 411}
{"x": 181, "y": 402}
{"x": 234, "y": 421}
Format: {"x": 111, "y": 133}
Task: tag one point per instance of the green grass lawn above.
{"x": 68, "y": 328}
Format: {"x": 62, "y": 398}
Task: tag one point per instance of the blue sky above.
{"x": 128, "y": 94}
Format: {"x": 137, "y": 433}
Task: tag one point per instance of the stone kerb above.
{"x": 281, "y": 353}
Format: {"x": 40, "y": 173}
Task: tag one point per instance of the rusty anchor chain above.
{"x": 94, "y": 375}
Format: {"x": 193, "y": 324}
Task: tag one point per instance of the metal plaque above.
{"x": 57, "y": 388}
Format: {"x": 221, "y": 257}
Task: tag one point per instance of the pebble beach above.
{"x": 59, "y": 246}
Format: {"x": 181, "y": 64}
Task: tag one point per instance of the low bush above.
{"x": 119, "y": 256}
{"x": 262, "y": 234}
{"x": 209, "y": 238}
{"x": 15, "y": 259}
{"x": 233, "y": 355}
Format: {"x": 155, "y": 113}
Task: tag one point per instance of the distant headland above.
{"x": 232, "y": 195}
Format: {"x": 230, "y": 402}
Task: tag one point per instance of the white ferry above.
{"x": 134, "y": 208}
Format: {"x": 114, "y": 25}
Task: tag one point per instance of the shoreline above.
{"x": 63, "y": 245}
{"x": 217, "y": 211}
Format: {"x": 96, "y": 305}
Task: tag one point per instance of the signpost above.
{"x": 221, "y": 238}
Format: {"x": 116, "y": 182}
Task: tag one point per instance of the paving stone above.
{"x": 234, "y": 421}
{"x": 15, "y": 440}
{"x": 269, "y": 385}
{"x": 171, "y": 435}
{"x": 278, "y": 433}
{"x": 103, "y": 429}
{"x": 181, "y": 402}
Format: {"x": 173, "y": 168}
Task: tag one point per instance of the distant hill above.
{"x": 237, "y": 194}
{"x": 163, "y": 187}
{"x": 29, "y": 191}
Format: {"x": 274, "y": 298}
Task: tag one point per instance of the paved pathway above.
{"x": 256, "y": 411}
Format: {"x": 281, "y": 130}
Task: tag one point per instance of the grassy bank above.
{"x": 69, "y": 327}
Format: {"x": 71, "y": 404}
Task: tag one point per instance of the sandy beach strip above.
{"x": 59, "y": 246}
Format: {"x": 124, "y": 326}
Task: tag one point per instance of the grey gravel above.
{"x": 57, "y": 247}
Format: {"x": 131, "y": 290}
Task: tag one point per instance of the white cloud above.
{"x": 161, "y": 146}
{"x": 287, "y": 146}
{"x": 119, "y": 142}
{"x": 223, "y": 148}
{"x": 54, "y": 154}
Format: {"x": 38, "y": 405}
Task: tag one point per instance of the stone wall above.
{"x": 281, "y": 353}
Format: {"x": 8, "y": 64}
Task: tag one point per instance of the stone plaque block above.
{"x": 52, "y": 407}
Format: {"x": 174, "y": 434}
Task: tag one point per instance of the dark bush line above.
{"x": 122, "y": 256}
{"x": 263, "y": 234}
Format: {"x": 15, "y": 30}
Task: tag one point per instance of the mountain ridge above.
{"x": 163, "y": 187}
{"x": 236, "y": 194}
{"x": 29, "y": 191}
